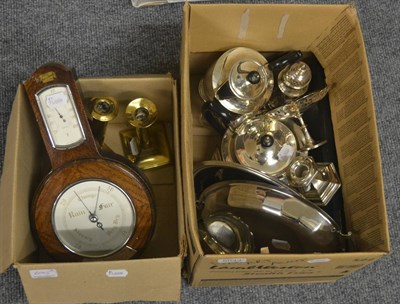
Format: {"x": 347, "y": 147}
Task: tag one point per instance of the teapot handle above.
{"x": 217, "y": 116}
{"x": 224, "y": 91}
{"x": 285, "y": 59}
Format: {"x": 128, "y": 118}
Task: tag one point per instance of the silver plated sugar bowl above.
{"x": 294, "y": 79}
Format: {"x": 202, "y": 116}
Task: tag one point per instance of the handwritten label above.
{"x": 319, "y": 261}
{"x": 43, "y": 273}
{"x": 117, "y": 273}
{"x": 57, "y": 99}
{"x": 229, "y": 261}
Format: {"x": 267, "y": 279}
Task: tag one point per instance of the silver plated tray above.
{"x": 281, "y": 220}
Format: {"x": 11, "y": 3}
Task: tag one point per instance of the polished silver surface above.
{"x": 280, "y": 221}
{"x": 240, "y": 80}
{"x": 247, "y": 79}
{"x": 302, "y": 171}
{"x": 224, "y": 233}
{"x": 318, "y": 182}
{"x": 210, "y": 172}
{"x": 261, "y": 143}
{"x": 294, "y": 79}
{"x": 324, "y": 185}
{"x": 294, "y": 109}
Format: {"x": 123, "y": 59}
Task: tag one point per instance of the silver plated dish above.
{"x": 281, "y": 220}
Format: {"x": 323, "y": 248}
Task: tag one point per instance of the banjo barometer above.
{"x": 89, "y": 207}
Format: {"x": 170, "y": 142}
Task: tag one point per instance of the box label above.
{"x": 43, "y": 273}
{"x": 229, "y": 261}
{"x": 313, "y": 261}
{"x": 117, "y": 273}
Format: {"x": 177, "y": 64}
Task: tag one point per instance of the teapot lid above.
{"x": 247, "y": 79}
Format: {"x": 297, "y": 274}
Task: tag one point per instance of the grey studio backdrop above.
{"x": 110, "y": 37}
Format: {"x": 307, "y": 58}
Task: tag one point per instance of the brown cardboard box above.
{"x": 156, "y": 275}
{"x": 333, "y": 34}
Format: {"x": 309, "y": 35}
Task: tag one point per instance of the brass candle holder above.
{"x": 103, "y": 110}
{"x": 146, "y": 143}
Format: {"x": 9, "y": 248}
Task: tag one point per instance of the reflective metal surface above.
{"x": 301, "y": 171}
{"x": 146, "y": 144}
{"x": 261, "y": 143}
{"x": 224, "y": 233}
{"x": 293, "y": 80}
{"x": 104, "y": 108}
{"x": 141, "y": 113}
{"x": 324, "y": 185}
{"x": 210, "y": 172}
{"x": 280, "y": 221}
{"x": 297, "y": 106}
{"x": 240, "y": 80}
{"x": 294, "y": 109}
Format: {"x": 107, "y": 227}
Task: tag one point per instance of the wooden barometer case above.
{"x": 89, "y": 207}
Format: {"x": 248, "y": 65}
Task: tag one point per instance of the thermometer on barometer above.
{"x": 60, "y": 116}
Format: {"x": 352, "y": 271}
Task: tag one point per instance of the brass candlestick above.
{"x": 146, "y": 144}
{"x": 103, "y": 110}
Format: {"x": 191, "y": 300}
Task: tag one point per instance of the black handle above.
{"x": 217, "y": 116}
{"x": 285, "y": 59}
{"x": 225, "y": 92}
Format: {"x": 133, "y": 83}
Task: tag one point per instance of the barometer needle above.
{"x": 79, "y": 198}
{"x": 97, "y": 200}
{"x": 59, "y": 114}
{"x": 92, "y": 217}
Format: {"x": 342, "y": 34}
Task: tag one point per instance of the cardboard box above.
{"x": 332, "y": 33}
{"x": 156, "y": 275}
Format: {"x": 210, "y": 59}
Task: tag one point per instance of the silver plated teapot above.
{"x": 242, "y": 79}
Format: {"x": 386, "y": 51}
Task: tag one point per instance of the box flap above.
{"x": 187, "y": 143}
{"x": 7, "y": 186}
{"x": 179, "y": 190}
{"x": 220, "y": 26}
